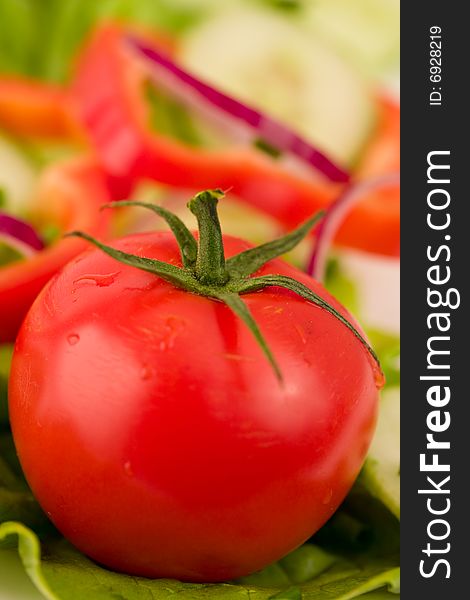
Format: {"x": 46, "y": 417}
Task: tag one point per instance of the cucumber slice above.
{"x": 377, "y": 282}
{"x": 17, "y": 177}
{"x": 366, "y": 32}
{"x": 271, "y": 63}
{"x": 381, "y": 472}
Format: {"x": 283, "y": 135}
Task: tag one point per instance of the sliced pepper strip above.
{"x": 109, "y": 90}
{"x": 33, "y": 109}
{"x": 382, "y": 154}
{"x": 69, "y": 195}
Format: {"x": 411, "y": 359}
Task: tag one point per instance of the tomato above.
{"x": 155, "y": 433}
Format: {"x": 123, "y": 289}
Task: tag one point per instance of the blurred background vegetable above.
{"x": 328, "y": 68}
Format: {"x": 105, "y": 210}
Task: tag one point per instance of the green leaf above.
{"x": 16, "y": 500}
{"x": 64, "y": 574}
{"x": 292, "y": 593}
{"x": 341, "y": 286}
{"x": 40, "y": 38}
{"x": 63, "y": 26}
{"x": 16, "y": 29}
{"x": 381, "y": 471}
{"x": 362, "y": 530}
{"x": 159, "y": 268}
{"x": 236, "y": 304}
{"x": 271, "y": 576}
{"x": 170, "y": 117}
{"x": 339, "y": 583}
{"x": 387, "y": 347}
{"x": 258, "y": 283}
{"x": 6, "y": 352}
{"x": 251, "y": 260}
{"x": 186, "y": 241}
{"x": 307, "y": 562}
{"x": 168, "y": 15}
{"x": 30, "y": 552}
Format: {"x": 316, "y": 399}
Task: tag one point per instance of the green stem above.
{"x": 256, "y": 284}
{"x": 175, "y": 275}
{"x": 205, "y": 272}
{"x": 238, "y": 306}
{"x": 186, "y": 241}
{"x": 251, "y": 260}
{"x": 210, "y": 262}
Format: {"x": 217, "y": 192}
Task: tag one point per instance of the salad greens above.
{"x": 8, "y": 255}
{"x": 40, "y": 39}
{"x": 16, "y": 499}
{"x": 61, "y": 567}
{"x": 386, "y": 344}
{"x": 6, "y": 352}
{"x": 381, "y": 472}
{"x": 169, "y": 117}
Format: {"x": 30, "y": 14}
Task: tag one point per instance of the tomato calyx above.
{"x": 205, "y": 271}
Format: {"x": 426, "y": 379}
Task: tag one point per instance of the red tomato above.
{"x": 154, "y": 432}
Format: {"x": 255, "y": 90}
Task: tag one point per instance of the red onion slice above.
{"x": 274, "y": 133}
{"x": 19, "y": 235}
{"x": 336, "y": 214}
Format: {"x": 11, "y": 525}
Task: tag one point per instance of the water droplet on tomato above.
{"x": 128, "y": 468}
{"x": 73, "y": 339}
{"x": 327, "y": 497}
{"x": 146, "y": 372}
{"x": 173, "y": 327}
{"x": 97, "y": 279}
{"x": 379, "y": 377}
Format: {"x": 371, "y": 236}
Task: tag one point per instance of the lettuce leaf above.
{"x": 16, "y": 499}
{"x": 40, "y": 39}
{"x": 62, "y": 573}
{"x": 6, "y": 351}
{"x": 386, "y": 345}
{"x": 341, "y": 286}
{"x": 381, "y": 471}
{"x": 16, "y": 29}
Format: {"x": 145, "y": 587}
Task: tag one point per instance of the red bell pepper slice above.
{"x": 382, "y": 154}
{"x": 33, "y": 109}
{"x": 109, "y": 89}
{"x": 69, "y": 195}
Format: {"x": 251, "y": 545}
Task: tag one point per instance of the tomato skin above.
{"x": 154, "y": 432}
